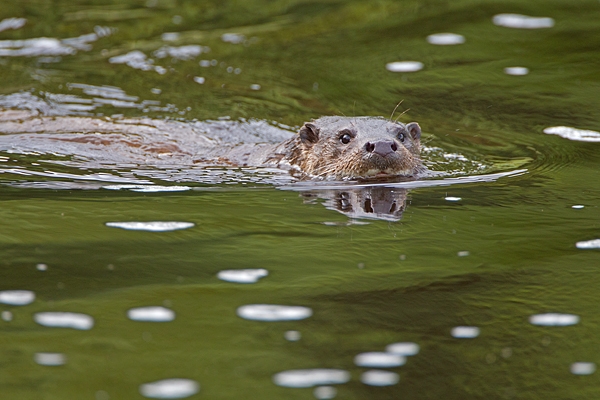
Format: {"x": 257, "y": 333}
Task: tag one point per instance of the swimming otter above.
{"x": 348, "y": 147}
{"x": 328, "y": 147}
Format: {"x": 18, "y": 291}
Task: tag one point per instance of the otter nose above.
{"x": 382, "y": 147}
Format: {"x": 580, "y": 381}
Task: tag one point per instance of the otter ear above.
{"x": 415, "y": 130}
{"x": 309, "y": 134}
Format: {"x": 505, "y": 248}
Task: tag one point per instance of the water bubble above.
{"x": 445, "y": 39}
{"x": 554, "y": 319}
{"x": 270, "y": 312}
{"x": 292, "y": 336}
{"x": 242, "y": 275}
{"x": 17, "y": 297}
{"x": 404, "y": 66}
{"x": 522, "y": 21}
{"x": 579, "y": 135}
{"x": 589, "y": 244}
{"x": 465, "y": 332}
{"x": 450, "y": 198}
{"x": 199, "y": 79}
{"x": 170, "y": 388}
{"x": 379, "y": 360}
{"x": 151, "y": 314}
{"x": 403, "y": 348}
{"x": 153, "y": 226}
{"x": 303, "y": 378}
{"x": 204, "y": 63}
{"x": 50, "y": 359}
{"x": 379, "y": 378}
{"x": 64, "y": 320}
{"x": 517, "y": 71}
{"x": 583, "y": 368}
{"x": 325, "y": 392}
{"x": 7, "y": 316}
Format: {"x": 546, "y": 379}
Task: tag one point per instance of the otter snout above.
{"x": 381, "y": 147}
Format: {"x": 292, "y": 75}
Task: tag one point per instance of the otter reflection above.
{"x": 370, "y": 202}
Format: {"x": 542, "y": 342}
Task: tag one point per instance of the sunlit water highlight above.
{"x": 17, "y": 297}
{"x": 170, "y": 389}
{"x": 583, "y": 368}
{"x": 242, "y": 275}
{"x": 445, "y": 39}
{"x": 379, "y": 360}
{"x": 522, "y": 21}
{"x": 465, "y": 332}
{"x": 64, "y": 320}
{"x": 50, "y": 359}
{"x": 554, "y": 319}
{"x": 403, "y": 348}
{"x": 270, "y": 312}
{"x": 151, "y": 314}
{"x": 379, "y": 378}
{"x": 152, "y": 226}
{"x": 303, "y": 378}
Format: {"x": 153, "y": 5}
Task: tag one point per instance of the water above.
{"x": 502, "y": 237}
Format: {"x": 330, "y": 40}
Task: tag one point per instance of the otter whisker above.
{"x": 395, "y": 108}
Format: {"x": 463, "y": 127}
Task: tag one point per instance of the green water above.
{"x": 368, "y": 282}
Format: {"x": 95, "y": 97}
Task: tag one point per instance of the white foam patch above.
{"x": 17, "y": 297}
{"x": 12, "y": 23}
{"x": 517, "y": 71}
{"x": 554, "y": 319}
{"x": 403, "y": 348}
{"x": 404, "y": 66}
{"x": 50, "y": 359}
{"x": 64, "y": 320}
{"x": 522, "y": 21}
{"x": 303, "y": 378}
{"x": 379, "y": 360}
{"x": 450, "y": 198}
{"x": 270, "y": 312}
{"x": 583, "y": 368}
{"x": 379, "y": 378}
{"x": 465, "y": 332}
{"x": 148, "y": 188}
{"x": 580, "y": 135}
{"x": 170, "y": 388}
{"x": 152, "y": 226}
{"x": 445, "y": 39}
{"x": 588, "y": 244}
{"x": 242, "y": 275}
{"x": 151, "y": 314}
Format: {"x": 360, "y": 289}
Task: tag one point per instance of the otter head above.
{"x": 358, "y": 147}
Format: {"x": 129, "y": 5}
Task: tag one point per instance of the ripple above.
{"x": 445, "y": 39}
{"x": 403, "y": 348}
{"x": 379, "y": 378}
{"x": 17, "y": 297}
{"x": 404, "y": 66}
{"x": 151, "y": 314}
{"x": 583, "y": 368}
{"x": 517, "y": 71}
{"x": 170, "y": 388}
{"x": 580, "y": 135}
{"x": 588, "y": 244}
{"x": 50, "y": 359}
{"x": 465, "y": 332}
{"x": 242, "y": 275}
{"x": 522, "y": 21}
{"x": 152, "y": 226}
{"x": 270, "y": 312}
{"x": 554, "y": 319}
{"x": 64, "y": 320}
{"x": 303, "y": 378}
{"x": 379, "y": 360}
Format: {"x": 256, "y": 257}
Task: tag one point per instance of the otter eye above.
{"x": 401, "y": 136}
{"x": 345, "y": 138}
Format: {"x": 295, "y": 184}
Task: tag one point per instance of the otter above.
{"x": 325, "y": 148}
{"x": 346, "y": 148}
